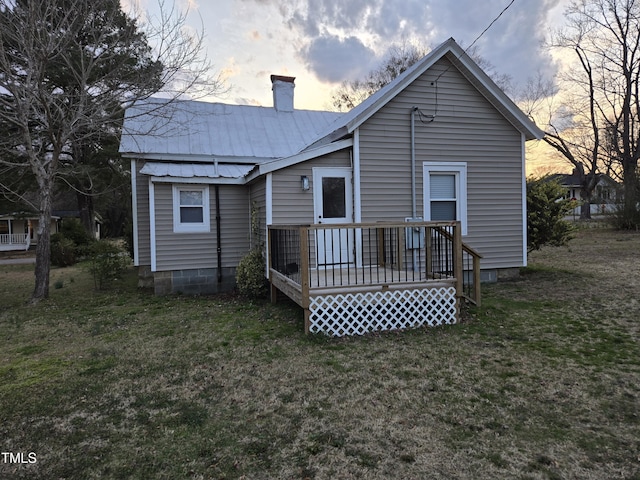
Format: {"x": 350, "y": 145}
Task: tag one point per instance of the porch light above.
{"x": 305, "y": 182}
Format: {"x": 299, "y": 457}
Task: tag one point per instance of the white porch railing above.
{"x": 14, "y": 241}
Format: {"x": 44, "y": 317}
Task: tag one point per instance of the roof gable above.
{"x": 467, "y": 67}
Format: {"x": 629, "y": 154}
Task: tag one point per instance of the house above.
{"x": 606, "y": 195}
{"x": 19, "y": 231}
{"x": 65, "y": 215}
{"x": 375, "y": 214}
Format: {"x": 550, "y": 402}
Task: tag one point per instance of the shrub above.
{"x": 546, "y": 209}
{"x": 250, "y": 275}
{"x": 72, "y": 229}
{"x": 107, "y": 261}
{"x": 63, "y": 251}
{"x": 625, "y": 220}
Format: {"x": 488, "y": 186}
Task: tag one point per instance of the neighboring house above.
{"x": 68, "y": 214}
{"x": 606, "y": 196}
{"x": 19, "y": 231}
{"x": 440, "y": 143}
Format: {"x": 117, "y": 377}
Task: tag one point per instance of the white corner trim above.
{"x": 268, "y": 201}
{"x": 134, "y": 211}
{"x": 357, "y": 199}
{"x": 152, "y": 224}
{"x": 524, "y": 200}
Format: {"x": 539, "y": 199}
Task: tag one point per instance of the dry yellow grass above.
{"x": 542, "y": 383}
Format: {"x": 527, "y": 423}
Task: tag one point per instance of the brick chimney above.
{"x": 282, "y": 88}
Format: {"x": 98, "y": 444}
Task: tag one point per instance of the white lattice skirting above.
{"x": 359, "y": 313}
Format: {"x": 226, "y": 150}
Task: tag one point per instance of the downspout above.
{"x": 414, "y": 212}
{"x": 414, "y": 208}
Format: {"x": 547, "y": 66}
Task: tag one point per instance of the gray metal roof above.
{"x": 193, "y": 130}
{"x": 190, "y": 170}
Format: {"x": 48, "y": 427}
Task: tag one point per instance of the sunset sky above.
{"x": 325, "y": 42}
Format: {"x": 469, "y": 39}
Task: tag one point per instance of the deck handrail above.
{"x": 389, "y": 257}
{"x": 473, "y": 288}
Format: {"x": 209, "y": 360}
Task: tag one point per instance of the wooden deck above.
{"x": 349, "y": 300}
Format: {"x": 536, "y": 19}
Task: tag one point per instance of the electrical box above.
{"x": 414, "y": 236}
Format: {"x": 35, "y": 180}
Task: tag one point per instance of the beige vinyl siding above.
{"x": 292, "y": 205}
{"x": 183, "y": 251}
{"x": 142, "y": 196}
{"x": 258, "y": 198}
{"x": 466, "y": 129}
{"x": 235, "y": 222}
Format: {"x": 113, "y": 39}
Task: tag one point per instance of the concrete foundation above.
{"x": 199, "y": 281}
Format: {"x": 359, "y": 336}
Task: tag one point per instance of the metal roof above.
{"x": 190, "y": 170}
{"x": 192, "y": 130}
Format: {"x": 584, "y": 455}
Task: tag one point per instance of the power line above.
{"x": 490, "y": 25}
{"x": 432, "y": 117}
{"x": 480, "y": 36}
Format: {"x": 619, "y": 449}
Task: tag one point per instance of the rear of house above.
{"x": 440, "y": 143}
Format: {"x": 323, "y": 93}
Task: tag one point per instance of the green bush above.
{"x": 72, "y": 229}
{"x": 63, "y": 251}
{"x": 107, "y": 261}
{"x": 546, "y": 209}
{"x": 250, "y": 277}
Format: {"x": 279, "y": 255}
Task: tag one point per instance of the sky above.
{"x": 325, "y": 42}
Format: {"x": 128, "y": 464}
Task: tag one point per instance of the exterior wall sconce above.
{"x": 305, "y": 182}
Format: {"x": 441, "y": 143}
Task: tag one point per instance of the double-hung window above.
{"x": 190, "y": 209}
{"x": 445, "y": 192}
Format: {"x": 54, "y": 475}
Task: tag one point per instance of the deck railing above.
{"x": 329, "y": 257}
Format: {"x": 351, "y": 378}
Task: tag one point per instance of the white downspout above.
{"x": 414, "y": 208}
{"x": 357, "y": 200}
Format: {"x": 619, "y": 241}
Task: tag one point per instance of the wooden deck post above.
{"x": 476, "y": 279}
{"x": 272, "y": 287}
{"x": 304, "y": 274}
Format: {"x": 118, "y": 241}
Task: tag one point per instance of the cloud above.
{"x": 335, "y": 59}
{"x": 341, "y": 38}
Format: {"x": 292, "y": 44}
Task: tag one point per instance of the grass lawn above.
{"x": 542, "y": 382}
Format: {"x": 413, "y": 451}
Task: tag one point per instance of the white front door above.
{"x": 333, "y": 205}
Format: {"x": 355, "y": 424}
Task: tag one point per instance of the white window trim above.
{"x": 459, "y": 169}
{"x": 178, "y": 226}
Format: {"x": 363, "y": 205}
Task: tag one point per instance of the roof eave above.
{"x": 490, "y": 90}
{"x": 168, "y": 157}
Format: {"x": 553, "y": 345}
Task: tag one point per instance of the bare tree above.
{"x": 604, "y": 81}
{"x": 67, "y": 70}
{"x": 399, "y": 58}
{"x": 570, "y": 129}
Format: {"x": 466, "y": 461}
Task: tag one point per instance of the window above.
{"x": 334, "y": 197}
{"x": 190, "y": 209}
{"x": 445, "y": 192}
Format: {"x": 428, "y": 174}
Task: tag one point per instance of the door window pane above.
{"x": 334, "y": 197}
